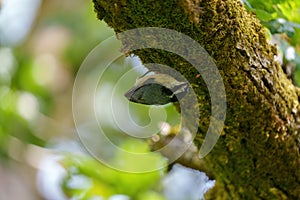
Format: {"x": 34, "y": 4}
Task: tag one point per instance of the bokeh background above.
{"x": 43, "y": 44}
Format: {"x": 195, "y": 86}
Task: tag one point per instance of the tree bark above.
{"x": 257, "y": 155}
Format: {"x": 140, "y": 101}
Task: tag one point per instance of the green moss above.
{"x": 257, "y": 156}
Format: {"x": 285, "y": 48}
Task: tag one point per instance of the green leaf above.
{"x": 263, "y": 15}
{"x": 281, "y": 25}
{"x": 105, "y": 181}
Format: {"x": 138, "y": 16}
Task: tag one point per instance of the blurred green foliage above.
{"x": 280, "y": 16}
{"x": 104, "y": 182}
{"x": 13, "y": 123}
{"x": 30, "y": 75}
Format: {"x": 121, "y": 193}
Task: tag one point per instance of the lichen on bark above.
{"x": 257, "y": 155}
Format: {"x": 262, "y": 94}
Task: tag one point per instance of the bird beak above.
{"x": 129, "y": 93}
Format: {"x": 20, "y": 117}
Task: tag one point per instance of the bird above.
{"x": 157, "y": 89}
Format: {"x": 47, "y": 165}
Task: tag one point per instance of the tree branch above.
{"x": 257, "y": 156}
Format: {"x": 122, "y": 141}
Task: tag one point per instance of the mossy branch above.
{"x": 257, "y": 156}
